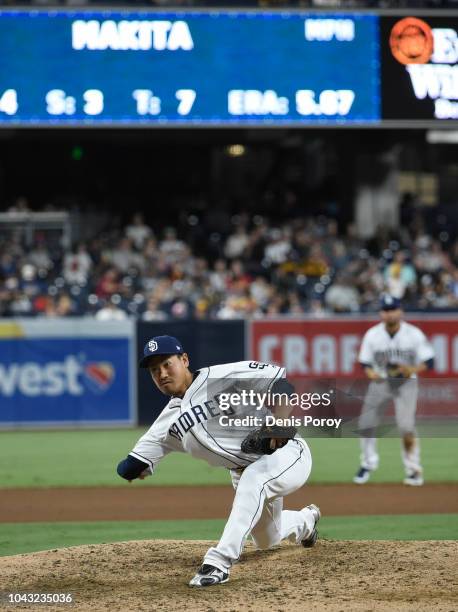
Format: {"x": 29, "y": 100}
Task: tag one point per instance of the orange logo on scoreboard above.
{"x": 411, "y": 41}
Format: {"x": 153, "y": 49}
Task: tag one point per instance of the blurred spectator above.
{"x": 138, "y": 232}
{"x": 430, "y": 257}
{"x": 316, "y": 309}
{"x": 454, "y": 286}
{"x": 20, "y": 205}
{"x": 261, "y": 291}
{"x": 64, "y": 306}
{"x": 123, "y": 257}
{"x": 153, "y": 310}
{"x": 236, "y": 243}
{"x": 400, "y": 276}
{"x": 108, "y": 284}
{"x": 219, "y": 276}
{"x": 30, "y": 283}
{"x": 238, "y": 279}
{"x": 279, "y": 247}
{"x": 77, "y": 266}
{"x": 111, "y": 312}
{"x": 342, "y": 296}
{"x": 171, "y": 246}
{"x": 39, "y": 257}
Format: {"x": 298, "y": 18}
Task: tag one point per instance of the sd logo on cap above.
{"x": 160, "y": 345}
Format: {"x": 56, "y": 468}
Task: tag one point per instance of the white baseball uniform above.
{"x": 192, "y": 425}
{"x": 408, "y": 346}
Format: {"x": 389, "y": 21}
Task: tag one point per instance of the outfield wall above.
{"x": 82, "y": 372}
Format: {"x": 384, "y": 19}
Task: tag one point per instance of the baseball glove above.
{"x": 393, "y": 371}
{"x": 267, "y": 439}
{"x": 396, "y": 377}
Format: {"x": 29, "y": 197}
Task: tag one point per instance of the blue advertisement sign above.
{"x": 65, "y": 380}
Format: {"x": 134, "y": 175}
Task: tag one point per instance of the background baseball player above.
{"x": 392, "y": 353}
{"x": 190, "y": 423}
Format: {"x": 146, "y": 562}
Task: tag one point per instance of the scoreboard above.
{"x": 220, "y": 68}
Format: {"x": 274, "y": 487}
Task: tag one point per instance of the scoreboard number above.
{"x": 93, "y": 102}
{"x": 329, "y": 102}
{"x": 186, "y": 98}
{"x": 8, "y": 102}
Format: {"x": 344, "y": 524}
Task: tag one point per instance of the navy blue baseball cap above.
{"x": 160, "y": 345}
{"x": 388, "y": 302}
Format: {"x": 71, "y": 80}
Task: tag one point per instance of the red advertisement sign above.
{"x": 329, "y": 347}
{"x": 313, "y": 351}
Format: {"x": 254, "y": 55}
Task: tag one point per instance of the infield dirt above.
{"x": 153, "y": 575}
{"x": 139, "y": 502}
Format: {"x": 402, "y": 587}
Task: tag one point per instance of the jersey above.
{"x": 191, "y": 424}
{"x": 409, "y": 346}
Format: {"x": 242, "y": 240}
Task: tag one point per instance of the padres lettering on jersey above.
{"x": 191, "y": 424}
{"x": 196, "y": 415}
{"x": 409, "y": 346}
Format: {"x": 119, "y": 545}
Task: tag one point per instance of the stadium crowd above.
{"x": 235, "y": 267}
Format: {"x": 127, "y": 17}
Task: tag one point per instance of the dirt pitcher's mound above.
{"x": 153, "y": 575}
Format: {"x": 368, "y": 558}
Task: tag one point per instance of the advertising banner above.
{"x": 66, "y": 372}
{"x": 323, "y": 354}
{"x": 419, "y": 57}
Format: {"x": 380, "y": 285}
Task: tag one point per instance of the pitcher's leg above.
{"x": 270, "y": 477}
{"x": 296, "y": 525}
{"x": 268, "y": 530}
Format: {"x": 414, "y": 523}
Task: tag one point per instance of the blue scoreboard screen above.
{"x": 156, "y": 68}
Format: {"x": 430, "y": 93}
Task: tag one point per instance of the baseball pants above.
{"x": 377, "y": 399}
{"x": 257, "y": 509}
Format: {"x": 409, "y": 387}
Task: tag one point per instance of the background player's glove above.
{"x": 393, "y": 370}
{"x": 266, "y": 439}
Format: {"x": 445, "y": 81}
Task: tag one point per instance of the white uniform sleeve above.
{"x": 149, "y": 450}
{"x": 424, "y": 350}
{"x": 366, "y": 353}
{"x": 155, "y": 443}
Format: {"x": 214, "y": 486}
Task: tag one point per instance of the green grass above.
{"x": 89, "y": 458}
{"x": 18, "y": 538}
{"x": 337, "y": 460}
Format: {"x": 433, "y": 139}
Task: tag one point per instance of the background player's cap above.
{"x": 160, "y": 345}
{"x": 388, "y": 302}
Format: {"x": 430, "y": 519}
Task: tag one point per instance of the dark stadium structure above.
{"x": 251, "y": 220}
{"x": 229, "y": 224}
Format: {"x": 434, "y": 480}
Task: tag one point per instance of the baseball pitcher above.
{"x": 265, "y": 463}
{"x": 392, "y": 354}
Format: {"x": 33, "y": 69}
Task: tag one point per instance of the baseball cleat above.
{"x": 208, "y": 575}
{"x": 415, "y": 479}
{"x": 362, "y": 476}
{"x": 313, "y": 537}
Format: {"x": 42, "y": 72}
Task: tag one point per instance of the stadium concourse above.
{"x": 219, "y": 265}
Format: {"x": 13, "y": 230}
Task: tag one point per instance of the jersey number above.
{"x": 255, "y": 365}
